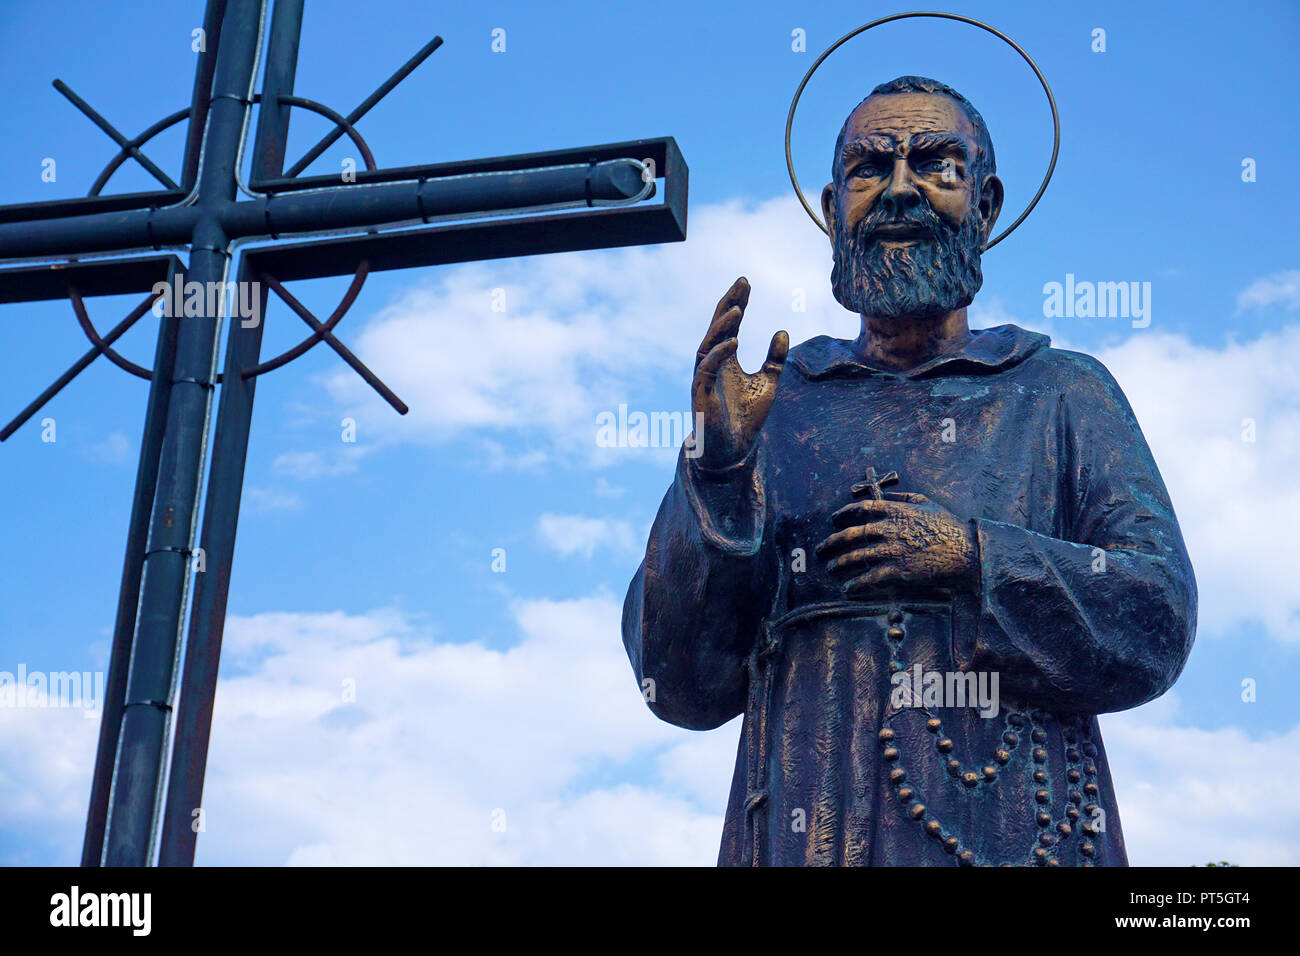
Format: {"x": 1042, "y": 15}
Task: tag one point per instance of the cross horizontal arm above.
{"x": 87, "y": 205}
{"x": 499, "y": 238}
{"x": 352, "y": 206}
{"x": 102, "y": 277}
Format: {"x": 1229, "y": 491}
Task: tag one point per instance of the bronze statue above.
{"x": 1018, "y": 541}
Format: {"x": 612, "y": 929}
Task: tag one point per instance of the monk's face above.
{"x": 907, "y": 218}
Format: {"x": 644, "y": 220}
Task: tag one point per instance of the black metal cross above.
{"x": 202, "y": 213}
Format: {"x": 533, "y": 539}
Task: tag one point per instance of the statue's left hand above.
{"x": 905, "y": 539}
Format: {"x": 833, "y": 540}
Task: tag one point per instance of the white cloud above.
{"x": 701, "y": 765}
{"x": 568, "y": 535}
{"x": 115, "y": 449}
{"x": 1238, "y": 501}
{"x": 581, "y": 334}
{"x": 551, "y": 737}
{"x": 440, "y": 740}
{"x": 440, "y": 736}
{"x": 1280, "y": 288}
{"x": 1189, "y": 797}
{"x": 309, "y": 465}
{"x": 265, "y": 500}
{"x": 46, "y": 754}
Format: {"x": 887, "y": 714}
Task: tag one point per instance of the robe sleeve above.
{"x": 1103, "y": 618}
{"x": 696, "y": 602}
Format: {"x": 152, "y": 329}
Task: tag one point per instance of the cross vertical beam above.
{"x": 146, "y": 479}
{"x": 182, "y": 809}
{"x": 137, "y": 776}
{"x": 110, "y": 725}
{"x": 213, "y": 13}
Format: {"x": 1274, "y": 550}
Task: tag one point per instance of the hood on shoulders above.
{"x": 989, "y": 350}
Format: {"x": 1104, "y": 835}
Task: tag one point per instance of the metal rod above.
{"x": 281, "y": 69}
{"x": 124, "y": 154}
{"x": 182, "y": 809}
{"x": 83, "y": 205}
{"x": 115, "y": 135}
{"x": 213, "y": 13}
{"x": 284, "y": 358}
{"x": 346, "y": 207}
{"x": 146, "y": 479}
{"x": 341, "y": 123}
{"x": 137, "y": 778}
{"x": 343, "y": 351}
{"x": 76, "y": 368}
{"x": 126, "y": 365}
{"x": 655, "y": 149}
{"x": 380, "y": 92}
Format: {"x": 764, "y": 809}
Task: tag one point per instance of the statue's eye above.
{"x": 936, "y": 165}
{"x": 868, "y": 170}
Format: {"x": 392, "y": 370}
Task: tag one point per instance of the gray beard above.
{"x": 920, "y": 281}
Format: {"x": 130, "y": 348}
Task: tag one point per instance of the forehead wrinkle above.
{"x": 933, "y": 110}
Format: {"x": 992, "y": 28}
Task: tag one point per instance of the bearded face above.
{"x": 912, "y": 266}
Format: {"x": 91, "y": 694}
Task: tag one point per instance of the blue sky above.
{"x": 479, "y": 691}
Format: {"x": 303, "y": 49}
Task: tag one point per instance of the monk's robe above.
{"x": 1085, "y": 604}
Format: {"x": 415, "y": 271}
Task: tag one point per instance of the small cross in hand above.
{"x": 870, "y": 488}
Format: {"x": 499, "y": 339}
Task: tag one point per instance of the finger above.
{"x": 722, "y": 329}
{"x": 849, "y": 537}
{"x": 708, "y": 368}
{"x": 911, "y": 497}
{"x": 726, "y": 320}
{"x": 866, "y": 510}
{"x": 874, "y": 579}
{"x": 861, "y": 559}
{"x": 738, "y": 294}
{"x": 776, "y": 353}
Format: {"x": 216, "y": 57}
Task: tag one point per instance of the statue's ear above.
{"x": 828, "y": 209}
{"x": 990, "y": 205}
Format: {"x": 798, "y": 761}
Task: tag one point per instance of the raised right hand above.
{"x": 734, "y": 404}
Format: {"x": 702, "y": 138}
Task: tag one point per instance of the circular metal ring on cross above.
{"x": 125, "y": 152}
{"x": 338, "y": 119}
{"x": 363, "y": 269}
{"x": 1051, "y": 101}
{"x": 102, "y": 346}
{"x": 349, "y": 297}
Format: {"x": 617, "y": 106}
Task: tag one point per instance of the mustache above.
{"x": 922, "y": 218}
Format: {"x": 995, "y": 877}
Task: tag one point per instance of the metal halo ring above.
{"x": 1051, "y": 101}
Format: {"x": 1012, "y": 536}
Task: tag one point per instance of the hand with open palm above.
{"x": 733, "y": 403}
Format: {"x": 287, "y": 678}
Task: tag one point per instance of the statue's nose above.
{"x": 901, "y": 194}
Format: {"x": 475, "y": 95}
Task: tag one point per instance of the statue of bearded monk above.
{"x": 920, "y": 562}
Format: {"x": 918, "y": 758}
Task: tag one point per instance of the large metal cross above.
{"x": 128, "y": 806}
